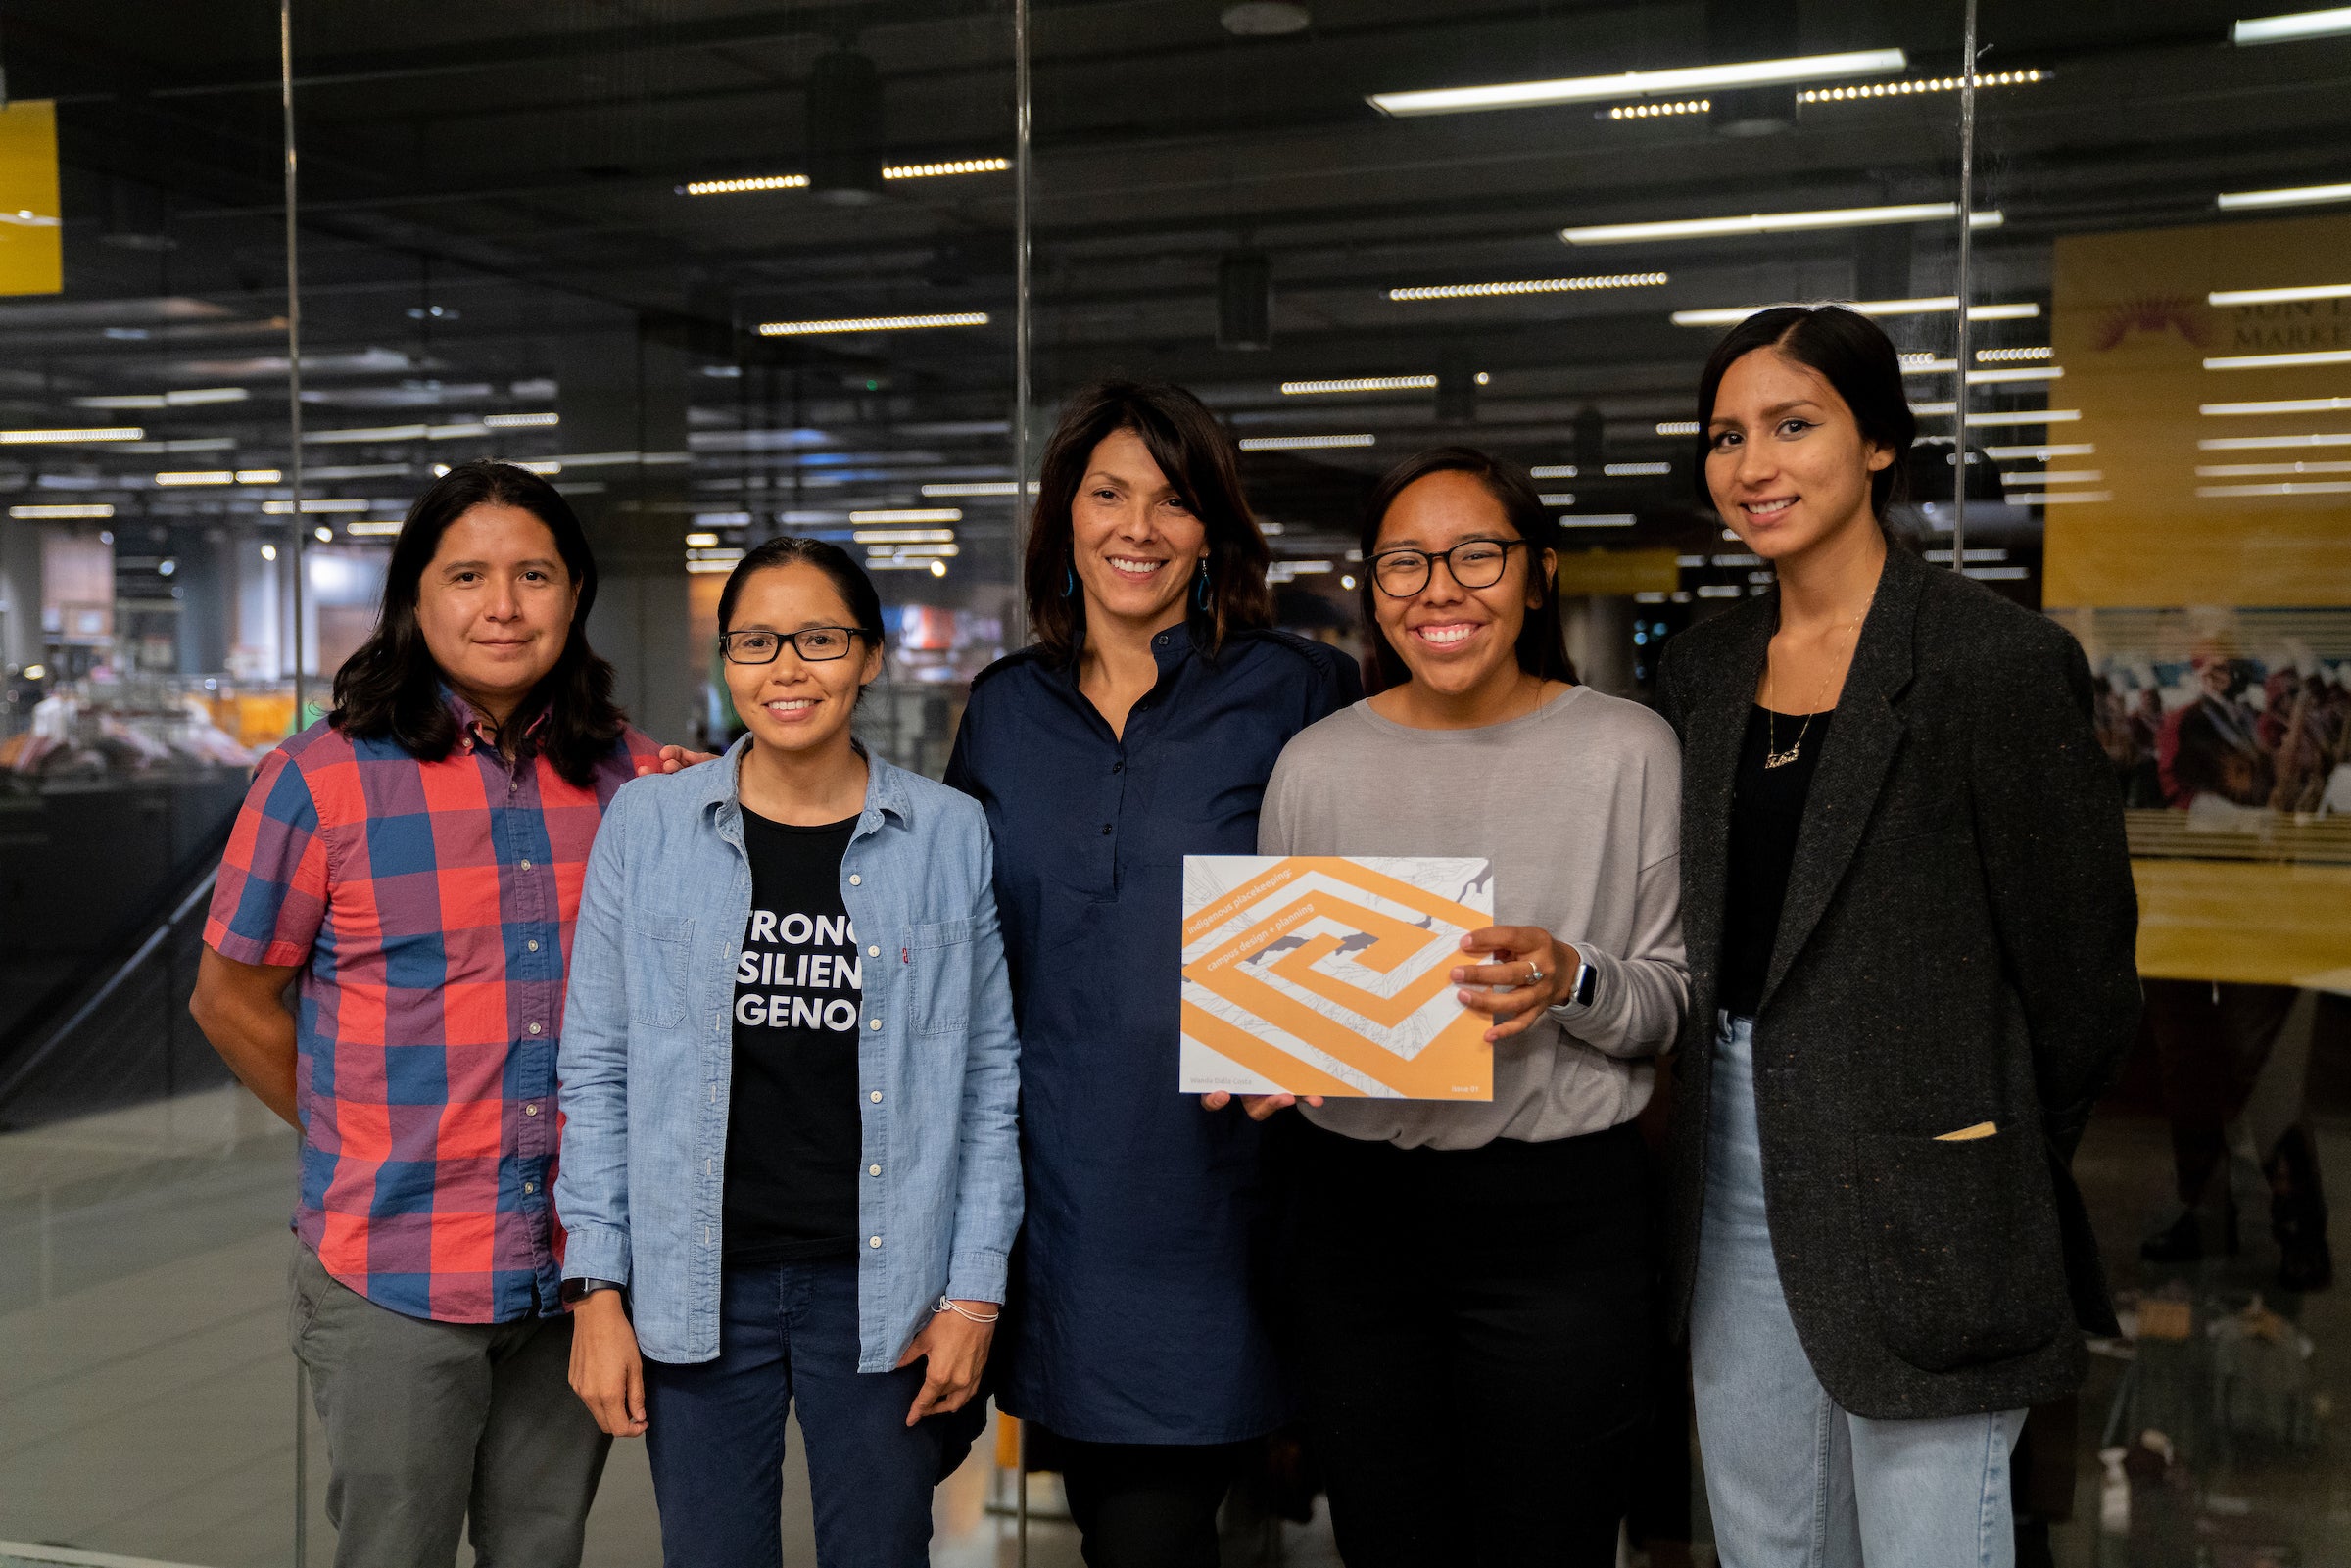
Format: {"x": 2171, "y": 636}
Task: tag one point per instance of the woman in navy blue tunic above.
{"x": 1139, "y": 728}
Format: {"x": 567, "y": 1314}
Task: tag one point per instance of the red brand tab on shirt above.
{"x": 906, "y": 956}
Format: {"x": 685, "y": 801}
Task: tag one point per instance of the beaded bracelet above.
{"x": 943, "y": 1305}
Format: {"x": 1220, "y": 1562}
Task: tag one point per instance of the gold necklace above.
{"x": 1773, "y": 756}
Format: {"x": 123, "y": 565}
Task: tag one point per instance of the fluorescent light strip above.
{"x": 1918, "y": 84}
{"x": 1925, "y": 364}
{"x": 1687, "y": 105}
{"x": 909, "y": 514}
{"x": 912, "y": 553}
{"x": 936, "y": 568}
{"x": 1636, "y": 470}
{"x": 756, "y": 182}
{"x": 2056, "y": 476}
{"x": 1303, "y": 443}
{"x": 702, "y": 540}
{"x": 1732, "y": 316}
{"x": 188, "y": 397}
{"x": 1597, "y": 519}
{"x": 34, "y": 437}
{"x": 873, "y": 323}
{"x": 1677, "y": 427}
{"x": 2315, "y": 291}
{"x": 2062, "y": 498}
{"x": 196, "y": 476}
{"x": 1562, "y": 497}
{"x": 1638, "y": 83}
{"x": 2339, "y": 438}
{"x": 1692, "y": 228}
{"x": 2290, "y": 196}
{"x": 285, "y": 508}
{"x": 97, "y": 509}
{"x": 1480, "y": 290}
{"x": 2277, "y": 405}
{"x": 902, "y": 536}
{"x": 709, "y": 568}
{"x": 960, "y": 165}
{"x": 1299, "y": 388}
{"x": 380, "y": 528}
{"x": 2010, "y": 356}
{"x": 2268, "y": 470}
{"x": 2278, "y": 362}
{"x": 2292, "y": 27}
{"x": 978, "y": 487}
{"x": 521, "y": 421}
{"x": 1553, "y": 471}
{"x": 2323, "y": 487}
{"x": 2041, "y": 455}
{"x": 260, "y": 476}
{"x": 2008, "y": 416}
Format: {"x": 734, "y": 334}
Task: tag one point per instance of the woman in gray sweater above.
{"x": 1474, "y": 1288}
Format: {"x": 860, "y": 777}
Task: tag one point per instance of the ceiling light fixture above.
{"x": 1686, "y": 106}
{"x": 1918, "y": 84}
{"x": 902, "y": 536}
{"x": 197, "y": 476}
{"x": 34, "y": 437}
{"x": 1303, "y": 443}
{"x": 2041, "y": 455}
{"x": 1480, "y": 290}
{"x": 1636, "y": 470}
{"x": 960, "y": 165}
{"x": 2007, "y": 356}
{"x": 1677, "y": 427}
{"x": 1597, "y": 519}
{"x": 2332, "y": 438}
{"x": 2278, "y": 362}
{"x": 2315, "y": 291}
{"x": 1698, "y": 229}
{"x": 2322, "y": 487}
{"x": 1301, "y": 389}
{"x": 378, "y": 528}
{"x": 285, "y": 508}
{"x": 733, "y": 187}
{"x": 2060, "y": 497}
{"x": 2278, "y": 405}
{"x": 2255, "y": 470}
{"x": 1732, "y": 316}
{"x": 259, "y": 476}
{"x": 978, "y": 487}
{"x": 702, "y": 540}
{"x": 909, "y": 514}
{"x": 2290, "y": 196}
{"x": 96, "y": 509}
{"x": 1552, "y": 471}
{"x": 873, "y": 323}
{"x": 186, "y": 397}
{"x": 521, "y": 421}
{"x": 1565, "y": 498}
{"x": 1640, "y": 83}
{"x": 2055, "y": 476}
{"x": 2292, "y": 27}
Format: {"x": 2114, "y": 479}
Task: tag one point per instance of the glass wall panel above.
{"x": 147, "y": 637}
{"x": 2162, "y": 426}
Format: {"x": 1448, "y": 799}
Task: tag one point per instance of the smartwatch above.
{"x": 576, "y": 1291}
{"x": 1587, "y": 980}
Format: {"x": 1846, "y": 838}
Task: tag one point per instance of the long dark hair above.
{"x": 1850, "y": 352}
{"x": 1542, "y": 645}
{"x": 1196, "y": 455}
{"x": 391, "y": 687}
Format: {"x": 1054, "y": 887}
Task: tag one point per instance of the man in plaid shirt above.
{"x": 416, "y": 860}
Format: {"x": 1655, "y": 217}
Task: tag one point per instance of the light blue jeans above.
{"x": 1794, "y": 1479}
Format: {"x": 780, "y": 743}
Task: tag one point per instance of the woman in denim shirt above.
{"x": 789, "y": 1170}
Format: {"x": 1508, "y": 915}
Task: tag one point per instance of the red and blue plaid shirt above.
{"x": 431, "y": 906}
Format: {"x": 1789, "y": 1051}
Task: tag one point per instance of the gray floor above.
{"x": 147, "y": 1396}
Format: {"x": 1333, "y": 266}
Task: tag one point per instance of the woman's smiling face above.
{"x": 1455, "y": 640}
{"x": 794, "y": 704}
{"x": 1134, "y": 544}
{"x": 1786, "y": 463}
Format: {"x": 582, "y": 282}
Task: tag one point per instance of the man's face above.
{"x": 494, "y": 605}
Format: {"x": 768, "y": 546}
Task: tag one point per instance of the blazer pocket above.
{"x": 938, "y": 976}
{"x": 658, "y": 953}
{"x": 1963, "y": 1248}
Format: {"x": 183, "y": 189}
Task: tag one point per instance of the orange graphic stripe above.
{"x": 1275, "y": 1066}
{"x": 1458, "y": 1064}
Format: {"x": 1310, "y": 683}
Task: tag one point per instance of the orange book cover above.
{"x": 1329, "y": 974}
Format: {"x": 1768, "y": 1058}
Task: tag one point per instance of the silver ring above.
{"x": 1534, "y": 972}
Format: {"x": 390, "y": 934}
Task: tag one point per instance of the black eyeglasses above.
{"x": 1473, "y": 563}
{"x": 818, "y": 645}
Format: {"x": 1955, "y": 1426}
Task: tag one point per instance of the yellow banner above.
{"x": 33, "y": 254}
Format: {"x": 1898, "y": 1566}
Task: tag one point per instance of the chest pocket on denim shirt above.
{"x": 938, "y": 958}
{"x": 656, "y": 954}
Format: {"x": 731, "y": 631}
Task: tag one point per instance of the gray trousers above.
{"x": 433, "y": 1427}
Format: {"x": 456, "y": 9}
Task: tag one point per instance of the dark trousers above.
{"x": 714, "y": 1432}
{"x": 433, "y": 1429}
{"x": 1476, "y": 1335}
{"x": 1146, "y": 1505}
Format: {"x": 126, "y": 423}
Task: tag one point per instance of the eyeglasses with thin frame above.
{"x": 817, "y": 644}
{"x": 1473, "y": 563}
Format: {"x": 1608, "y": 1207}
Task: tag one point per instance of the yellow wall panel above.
{"x": 2220, "y": 920}
{"x": 33, "y": 254}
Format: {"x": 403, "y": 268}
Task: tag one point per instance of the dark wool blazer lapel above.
{"x": 1711, "y": 730}
{"x": 1860, "y": 746}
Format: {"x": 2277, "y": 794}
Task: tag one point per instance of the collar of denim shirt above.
{"x": 885, "y": 793}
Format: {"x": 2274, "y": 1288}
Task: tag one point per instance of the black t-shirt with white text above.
{"x": 794, "y": 1134}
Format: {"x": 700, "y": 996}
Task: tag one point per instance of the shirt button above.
{"x": 529, "y": 1110}
{"x": 1106, "y": 830}
{"x": 876, "y": 1097}
{"x": 873, "y": 1171}
{"x": 1118, "y": 767}
{"x": 857, "y": 881}
{"x": 876, "y": 1024}
{"x": 534, "y": 1028}
{"x": 526, "y": 865}
{"x": 530, "y": 1186}
{"x": 872, "y": 1241}
{"x": 532, "y": 944}
{"x": 873, "y": 952}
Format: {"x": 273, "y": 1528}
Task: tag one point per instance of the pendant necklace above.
{"x": 1773, "y": 756}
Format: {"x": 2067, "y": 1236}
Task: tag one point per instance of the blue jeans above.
{"x": 714, "y": 1432}
{"x": 1794, "y": 1479}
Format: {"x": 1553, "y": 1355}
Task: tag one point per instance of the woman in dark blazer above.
{"x": 1910, "y": 926}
